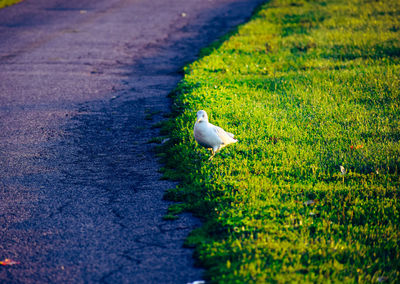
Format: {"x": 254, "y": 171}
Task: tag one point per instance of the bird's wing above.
{"x": 226, "y": 137}
{"x": 230, "y": 134}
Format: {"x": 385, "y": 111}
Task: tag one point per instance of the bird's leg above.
{"x": 212, "y": 156}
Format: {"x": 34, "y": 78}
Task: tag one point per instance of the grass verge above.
{"x": 311, "y": 191}
{"x": 5, "y": 3}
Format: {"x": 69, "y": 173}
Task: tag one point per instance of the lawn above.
{"x": 310, "y": 193}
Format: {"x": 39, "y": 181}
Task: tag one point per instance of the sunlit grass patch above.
{"x": 310, "y": 192}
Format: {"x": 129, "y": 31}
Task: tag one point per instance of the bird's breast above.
{"x": 205, "y": 135}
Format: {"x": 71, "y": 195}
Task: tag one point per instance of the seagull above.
{"x": 210, "y": 136}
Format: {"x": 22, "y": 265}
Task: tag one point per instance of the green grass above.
{"x": 307, "y": 87}
{"x": 5, "y": 3}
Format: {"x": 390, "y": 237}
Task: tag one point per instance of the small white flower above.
{"x": 343, "y": 170}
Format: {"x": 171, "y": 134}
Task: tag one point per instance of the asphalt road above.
{"x": 81, "y": 84}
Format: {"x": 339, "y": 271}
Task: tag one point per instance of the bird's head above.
{"x": 201, "y": 116}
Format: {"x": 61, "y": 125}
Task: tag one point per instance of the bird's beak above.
{"x": 199, "y": 119}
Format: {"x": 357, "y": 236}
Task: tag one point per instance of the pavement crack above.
{"x": 60, "y": 209}
{"x": 103, "y": 279}
{"x": 149, "y": 244}
{"x": 126, "y": 255}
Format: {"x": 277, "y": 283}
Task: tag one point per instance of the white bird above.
{"x": 210, "y": 136}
